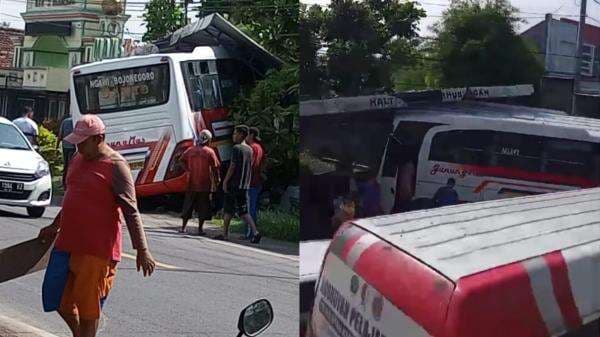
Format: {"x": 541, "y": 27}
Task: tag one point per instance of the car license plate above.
{"x": 11, "y": 187}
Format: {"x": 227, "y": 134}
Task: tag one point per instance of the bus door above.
{"x": 205, "y": 89}
{"x": 399, "y": 166}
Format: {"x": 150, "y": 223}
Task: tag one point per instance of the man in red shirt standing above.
{"x": 258, "y": 164}
{"x": 82, "y": 266}
{"x": 202, "y": 165}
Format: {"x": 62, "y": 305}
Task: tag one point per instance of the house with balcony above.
{"x": 556, "y": 43}
{"x": 60, "y": 34}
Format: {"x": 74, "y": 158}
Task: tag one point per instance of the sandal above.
{"x": 256, "y": 238}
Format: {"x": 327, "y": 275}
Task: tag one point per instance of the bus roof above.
{"x": 199, "y": 53}
{"x": 466, "y": 239}
{"x": 470, "y": 112}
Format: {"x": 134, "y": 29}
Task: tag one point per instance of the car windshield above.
{"x": 11, "y": 138}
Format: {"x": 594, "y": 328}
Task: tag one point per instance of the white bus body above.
{"x": 153, "y": 106}
{"x": 492, "y": 151}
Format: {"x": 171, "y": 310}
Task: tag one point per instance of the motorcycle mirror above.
{"x": 255, "y": 318}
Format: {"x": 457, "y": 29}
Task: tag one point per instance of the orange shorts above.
{"x": 88, "y": 284}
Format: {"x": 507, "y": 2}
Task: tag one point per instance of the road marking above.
{"x": 158, "y": 264}
{"x": 21, "y": 328}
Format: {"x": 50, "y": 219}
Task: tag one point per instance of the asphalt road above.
{"x": 199, "y": 288}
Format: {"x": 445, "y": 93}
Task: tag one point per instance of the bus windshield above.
{"x": 123, "y": 89}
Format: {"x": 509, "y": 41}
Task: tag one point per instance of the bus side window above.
{"x": 569, "y": 158}
{"x": 203, "y": 88}
{"x": 519, "y": 151}
{"x": 469, "y": 147}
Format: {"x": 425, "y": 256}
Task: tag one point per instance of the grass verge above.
{"x": 271, "y": 223}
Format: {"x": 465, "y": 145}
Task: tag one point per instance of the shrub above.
{"x": 47, "y": 144}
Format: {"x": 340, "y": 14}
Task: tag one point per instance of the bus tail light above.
{"x": 175, "y": 169}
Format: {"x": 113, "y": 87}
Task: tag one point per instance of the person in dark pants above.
{"x": 446, "y": 195}
{"x": 236, "y": 184}
{"x": 258, "y": 164}
{"x": 68, "y": 149}
{"x": 202, "y": 165}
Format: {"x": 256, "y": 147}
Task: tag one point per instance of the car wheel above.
{"x": 35, "y": 212}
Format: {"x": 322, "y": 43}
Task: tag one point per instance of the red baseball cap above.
{"x": 88, "y": 125}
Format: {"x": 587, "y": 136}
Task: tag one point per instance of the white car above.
{"x": 24, "y": 175}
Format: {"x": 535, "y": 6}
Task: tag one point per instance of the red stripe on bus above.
{"x": 487, "y": 182}
{"x": 511, "y": 173}
{"x": 495, "y": 303}
{"x": 418, "y": 291}
{"x": 562, "y": 289}
{"x": 155, "y": 158}
{"x": 175, "y": 185}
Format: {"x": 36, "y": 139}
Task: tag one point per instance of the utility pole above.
{"x": 580, "y": 29}
{"x": 185, "y": 13}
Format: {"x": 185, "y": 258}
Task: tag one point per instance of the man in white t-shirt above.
{"x": 27, "y": 125}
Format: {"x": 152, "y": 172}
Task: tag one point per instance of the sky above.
{"x": 532, "y": 10}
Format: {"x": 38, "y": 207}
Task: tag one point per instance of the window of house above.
{"x": 17, "y": 57}
{"x": 88, "y": 54}
{"x": 587, "y": 60}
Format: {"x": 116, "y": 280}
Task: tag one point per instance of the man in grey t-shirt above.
{"x": 237, "y": 182}
{"x": 68, "y": 149}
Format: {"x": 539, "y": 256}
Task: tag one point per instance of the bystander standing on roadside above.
{"x": 82, "y": 265}
{"x": 258, "y": 165}
{"x": 201, "y": 164}
{"x": 236, "y": 184}
{"x": 68, "y": 149}
{"x": 27, "y": 125}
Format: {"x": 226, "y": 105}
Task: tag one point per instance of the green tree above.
{"x": 477, "y": 44}
{"x": 309, "y": 31}
{"x": 365, "y": 41}
{"x": 420, "y": 75}
{"x": 162, "y": 17}
{"x": 272, "y": 106}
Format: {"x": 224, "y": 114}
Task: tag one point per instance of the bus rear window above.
{"x": 123, "y": 89}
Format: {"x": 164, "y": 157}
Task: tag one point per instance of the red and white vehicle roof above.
{"x": 526, "y": 266}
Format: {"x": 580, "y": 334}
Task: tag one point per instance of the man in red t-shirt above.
{"x": 258, "y": 164}
{"x": 82, "y": 265}
{"x": 202, "y": 166}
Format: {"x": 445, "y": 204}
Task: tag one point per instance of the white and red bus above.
{"x": 153, "y": 106}
{"x": 492, "y": 151}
